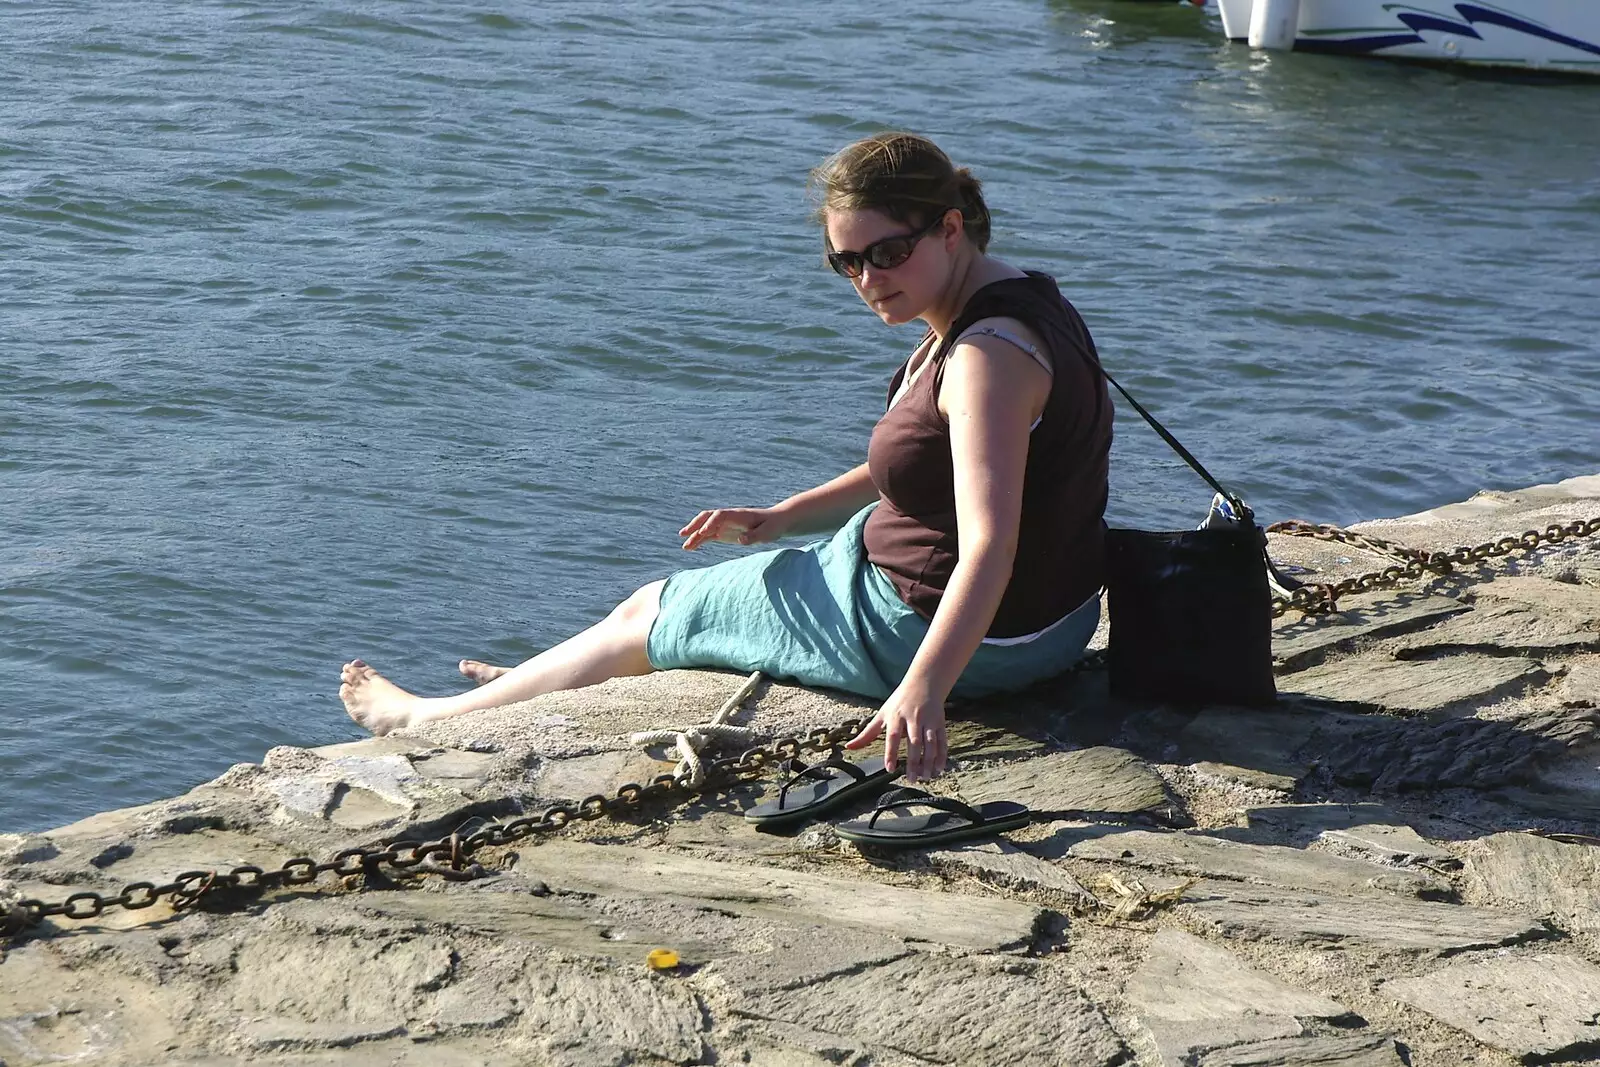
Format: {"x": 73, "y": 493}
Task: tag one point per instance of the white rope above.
{"x": 13, "y": 919}
{"x": 690, "y": 741}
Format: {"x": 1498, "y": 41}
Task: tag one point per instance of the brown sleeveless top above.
{"x": 911, "y": 535}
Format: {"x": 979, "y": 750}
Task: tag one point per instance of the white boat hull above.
{"x": 1545, "y": 35}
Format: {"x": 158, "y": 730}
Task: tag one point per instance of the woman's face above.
{"x": 902, "y": 293}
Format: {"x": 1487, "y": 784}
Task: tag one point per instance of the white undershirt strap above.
{"x": 1011, "y": 339}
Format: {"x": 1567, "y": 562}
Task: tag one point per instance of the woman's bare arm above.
{"x": 824, "y": 508}
{"x": 990, "y": 394}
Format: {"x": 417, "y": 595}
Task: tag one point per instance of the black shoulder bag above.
{"x": 1191, "y": 611}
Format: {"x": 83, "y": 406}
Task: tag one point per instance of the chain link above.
{"x": 448, "y": 857}
{"x": 1321, "y": 598}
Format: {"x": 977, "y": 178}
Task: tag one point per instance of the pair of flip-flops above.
{"x": 810, "y": 791}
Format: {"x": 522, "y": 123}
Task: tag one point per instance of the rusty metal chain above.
{"x": 1321, "y": 598}
{"x": 448, "y": 857}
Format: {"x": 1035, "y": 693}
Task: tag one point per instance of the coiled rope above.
{"x": 689, "y": 741}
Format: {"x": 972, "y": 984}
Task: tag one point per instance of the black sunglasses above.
{"x": 886, "y": 254}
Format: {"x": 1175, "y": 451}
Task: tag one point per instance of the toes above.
{"x": 478, "y": 671}
{"x": 355, "y": 672}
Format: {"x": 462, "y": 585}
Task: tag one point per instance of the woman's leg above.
{"x": 611, "y": 648}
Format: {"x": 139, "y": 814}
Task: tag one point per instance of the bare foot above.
{"x": 374, "y": 701}
{"x": 479, "y": 671}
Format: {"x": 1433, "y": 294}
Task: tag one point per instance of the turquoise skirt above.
{"x": 823, "y": 616}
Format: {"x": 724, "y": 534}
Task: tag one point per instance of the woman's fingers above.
{"x": 694, "y": 533}
{"x": 694, "y": 522}
{"x": 723, "y": 524}
{"x": 916, "y": 755}
{"x": 869, "y": 733}
{"x": 893, "y": 736}
{"x": 751, "y": 533}
{"x": 710, "y": 526}
{"x": 896, "y": 732}
{"x": 926, "y": 750}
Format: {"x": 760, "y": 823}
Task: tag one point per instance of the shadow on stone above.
{"x": 1320, "y": 748}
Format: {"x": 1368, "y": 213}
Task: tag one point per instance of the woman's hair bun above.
{"x": 905, "y": 176}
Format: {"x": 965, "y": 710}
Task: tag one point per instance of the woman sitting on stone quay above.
{"x": 968, "y": 553}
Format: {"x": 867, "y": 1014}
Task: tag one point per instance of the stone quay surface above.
{"x": 1396, "y": 864}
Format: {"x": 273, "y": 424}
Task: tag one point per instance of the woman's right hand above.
{"x": 740, "y": 526}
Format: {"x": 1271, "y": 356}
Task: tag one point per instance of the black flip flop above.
{"x": 810, "y": 791}
{"x": 951, "y": 821}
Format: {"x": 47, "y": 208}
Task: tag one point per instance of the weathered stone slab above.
{"x": 1363, "y": 829}
{"x": 1005, "y": 864}
{"x": 468, "y": 772}
{"x": 376, "y": 794}
{"x": 620, "y": 929}
{"x": 1090, "y": 779}
{"x": 601, "y": 773}
{"x": 798, "y": 957}
{"x": 332, "y": 989}
{"x": 388, "y": 745}
{"x": 1234, "y": 909}
{"x": 1541, "y": 876}
{"x": 1579, "y": 601}
{"x": 1300, "y": 641}
{"x": 1581, "y": 686}
{"x": 1391, "y": 754}
{"x": 766, "y": 1042}
{"x": 1537, "y": 1007}
{"x": 1380, "y": 682}
{"x": 728, "y": 831}
{"x": 979, "y": 740}
{"x": 1399, "y": 845}
{"x": 206, "y": 805}
{"x": 397, "y": 1052}
{"x": 791, "y": 896}
{"x": 1258, "y": 747}
{"x": 53, "y": 1013}
{"x": 293, "y": 1035}
{"x": 1249, "y": 776}
{"x": 1505, "y": 627}
{"x": 1063, "y": 835}
{"x": 1194, "y": 997}
{"x": 1580, "y": 806}
{"x": 1567, "y": 727}
{"x": 317, "y": 973}
{"x": 26, "y": 848}
{"x": 965, "y": 1012}
{"x": 160, "y": 859}
{"x": 1362, "y": 1051}
{"x": 1194, "y": 853}
{"x": 589, "y": 1015}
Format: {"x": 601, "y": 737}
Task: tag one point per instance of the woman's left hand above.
{"x": 915, "y": 715}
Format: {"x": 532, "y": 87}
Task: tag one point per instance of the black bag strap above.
{"x": 1283, "y": 581}
{"x": 1177, "y": 446}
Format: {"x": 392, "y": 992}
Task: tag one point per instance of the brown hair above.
{"x": 907, "y": 177}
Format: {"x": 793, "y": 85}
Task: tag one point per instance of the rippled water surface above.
{"x": 414, "y": 331}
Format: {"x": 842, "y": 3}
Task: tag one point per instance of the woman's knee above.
{"x": 640, "y": 607}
